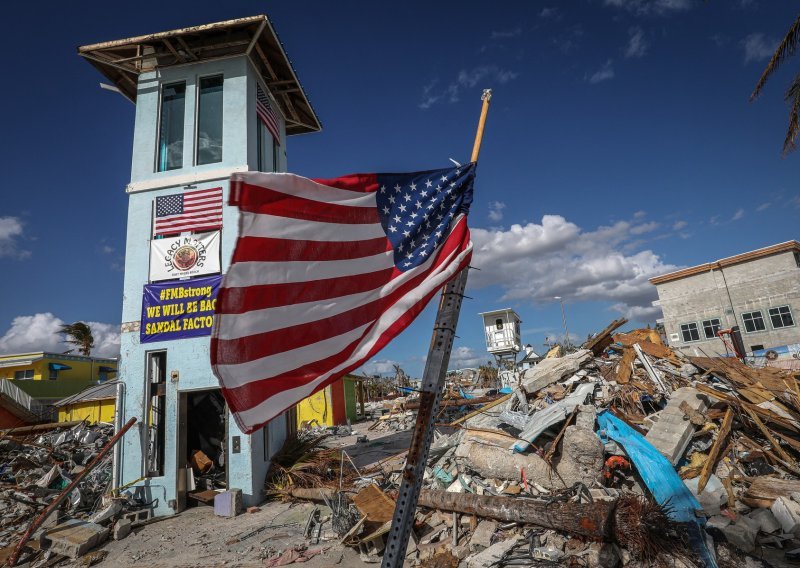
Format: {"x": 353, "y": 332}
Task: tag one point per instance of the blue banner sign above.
{"x": 177, "y": 310}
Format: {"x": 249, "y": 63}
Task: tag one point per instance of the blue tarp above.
{"x": 660, "y": 478}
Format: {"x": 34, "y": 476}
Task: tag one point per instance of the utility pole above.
{"x": 567, "y": 342}
{"x": 429, "y": 397}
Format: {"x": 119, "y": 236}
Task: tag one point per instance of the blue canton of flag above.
{"x": 416, "y": 210}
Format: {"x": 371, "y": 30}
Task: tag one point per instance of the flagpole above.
{"x": 430, "y": 395}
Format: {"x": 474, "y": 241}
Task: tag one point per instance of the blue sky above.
{"x": 619, "y": 146}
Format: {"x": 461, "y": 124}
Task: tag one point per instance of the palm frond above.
{"x": 786, "y": 48}
{"x": 792, "y": 96}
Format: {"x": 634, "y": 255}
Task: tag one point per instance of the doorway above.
{"x": 202, "y": 447}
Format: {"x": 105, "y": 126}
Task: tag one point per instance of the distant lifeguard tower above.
{"x": 503, "y": 340}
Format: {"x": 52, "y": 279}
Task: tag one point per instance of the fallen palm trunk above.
{"x": 593, "y": 520}
{"x": 312, "y": 493}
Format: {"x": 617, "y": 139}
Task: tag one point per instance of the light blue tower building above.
{"x": 210, "y": 100}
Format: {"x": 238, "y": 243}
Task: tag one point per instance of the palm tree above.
{"x": 78, "y": 334}
{"x": 786, "y": 48}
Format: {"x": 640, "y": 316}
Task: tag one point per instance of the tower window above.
{"x": 209, "y": 120}
{"x": 170, "y": 127}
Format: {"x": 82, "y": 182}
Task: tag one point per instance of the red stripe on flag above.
{"x": 365, "y": 183}
{"x": 257, "y": 199}
{"x": 265, "y": 249}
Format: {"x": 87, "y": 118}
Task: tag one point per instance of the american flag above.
{"x": 325, "y": 273}
{"x": 267, "y": 115}
{"x": 199, "y": 210}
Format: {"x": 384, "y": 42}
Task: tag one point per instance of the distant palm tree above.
{"x": 786, "y": 48}
{"x": 78, "y": 334}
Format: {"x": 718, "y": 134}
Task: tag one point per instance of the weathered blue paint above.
{"x": 188, "y": 358}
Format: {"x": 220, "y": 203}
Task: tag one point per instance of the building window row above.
{"x": 753, "y": 321}
{"x": 172, "y": 115}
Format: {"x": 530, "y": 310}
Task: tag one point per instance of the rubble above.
{"x": 624, "y": 453}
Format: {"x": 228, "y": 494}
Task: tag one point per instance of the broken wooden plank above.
{"x": 708, "y": 466}
{"x": 492, "y": 404}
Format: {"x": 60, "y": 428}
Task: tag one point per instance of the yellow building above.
{"x": 95, "y": 404}
{"x": 39, "y": 366}
{"x": 332, "y": 406}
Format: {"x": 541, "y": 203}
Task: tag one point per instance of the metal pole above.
{"x": 37, "y": 522}
{"x": 567, "y": 342}
{"x": 429, "y": 397}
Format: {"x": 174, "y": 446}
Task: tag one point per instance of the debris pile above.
{"x": 39, "y": 465}
{"x": 622, "y": 453}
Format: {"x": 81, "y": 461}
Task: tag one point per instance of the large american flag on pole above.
{"x": 325, "y": 273}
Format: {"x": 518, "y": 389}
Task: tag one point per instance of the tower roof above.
{"x": 121, "y": 61}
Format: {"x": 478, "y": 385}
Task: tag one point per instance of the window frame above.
{"x": 498, "y": 324}
{"x": 682, "y": 332}
{"x": 791, "y": 317}
{"x": 760, "y": 316}
{"x": 709, "y": 320}
{"x": 196, "y": 157}
{"x": 159, "y": 125}
{"x": 25, "y": 376}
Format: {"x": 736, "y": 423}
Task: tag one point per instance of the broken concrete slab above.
{"x": 787, "y": 512}
{"x": 482, "y": 537}
{"x": 74, "y": 537}
{"x": 492, "y": 555}
{"x": 673, "y": 431}
{"x": 741, "y": 536}
{"x": 549, "y": 371}
{"x": 122, "y": 528}
{"x": 712, "y": 497}
{"x": 766, "y": 521}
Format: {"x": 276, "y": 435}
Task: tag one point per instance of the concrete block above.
{"x": 482, "y": 537}
{"x": 228, "y": 503}
{"x": 766, "y": 521}
{"x": 673, "y": 431}
{"x": 74, "y": 537}
{"x": 787, "y": 512}
{"x": 717, "y": 523}
{"x": 492, "y": 555}
{"x": 122, "y": 528}
{"x": 461, "y": 551}
{"x": 741, "y": 536}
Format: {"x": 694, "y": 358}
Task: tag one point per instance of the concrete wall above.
{"x": 727, "y": 293}
{"x": 187, "y": 358}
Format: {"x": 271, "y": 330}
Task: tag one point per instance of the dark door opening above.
{"x": 203, "y": 443}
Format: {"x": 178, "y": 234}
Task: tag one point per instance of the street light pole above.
{"x": 564, "y": 321}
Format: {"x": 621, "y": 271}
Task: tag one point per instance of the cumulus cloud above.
{"x": 535, "y": 262}
{"x": 379, "y": 366}
{"x": 496, "y": 211}
{"x": 462, "y": 357}
{"x": 465, "y": 79}
{"x": 644, "y": 228}
{"x": 605, "y": 73}
{"x": 637, "y": 43}
{"x": 39, "y": 332}
{"x": 651, "y": 7}
{"x": 758, "y": 48}
{"x": 10, "y": 231}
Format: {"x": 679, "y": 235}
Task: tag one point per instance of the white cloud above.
{"x": 506, "y": 34}
{"x": 463, "y": 356}
{"x": 638, "y": 313}
{"x": 39, "y": 332}
{"x": 496, "y": 211}
{"x": 763, "y": 206}
{"x": 466, "y": 79}
{"x": 379, "y": 367}
{"x": 644, "y": 228}
{"x": 637, "y": 43}
{"x": 678, "y": 225}
{"x": 738, "y": 215}
{"x": 758, "y": 48}
{"x": 548, "y": 13}
{"x": 535, "y": 262}
{"x": 651, "y": 7}
{"x": 10, "y": 230}
{"x": 605, "y": 73}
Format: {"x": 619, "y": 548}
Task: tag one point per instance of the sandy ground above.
{"x": 196, "y": 537}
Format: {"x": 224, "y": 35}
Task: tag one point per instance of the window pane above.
{"x": 170, "y": 135}
{"x": 209, "y": 121}
{"x": 711, "y": 327}
{"x": 267, "y": 150}
{"x": 781, "y": 317}
{"x": 690, "y": 332}
{"x": 498, "y": 324}
{"x": 753, "y": 321}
